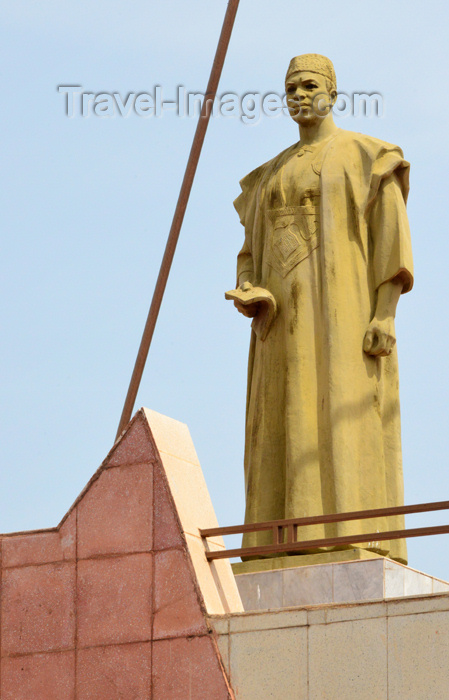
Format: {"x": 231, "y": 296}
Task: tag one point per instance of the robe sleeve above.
{"x": 245, "y": 267}
{"x": 245, "y": 264}
{"x": 390, "y": 235}
{"x": 249, "y": 205}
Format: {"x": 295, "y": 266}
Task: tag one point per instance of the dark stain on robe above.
{"x": 294, "y": 298}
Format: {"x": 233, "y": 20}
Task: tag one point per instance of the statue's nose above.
{"x": 297, "y": 95}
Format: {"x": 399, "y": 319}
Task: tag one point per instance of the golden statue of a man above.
{"x": 327, "y": 241}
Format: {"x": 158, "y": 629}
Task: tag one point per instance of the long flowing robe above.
{"x": 323, "y": 421}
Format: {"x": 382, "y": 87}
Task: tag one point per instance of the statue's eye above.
{"x": 291, "y": 88}
{"x": 310, "y": 86}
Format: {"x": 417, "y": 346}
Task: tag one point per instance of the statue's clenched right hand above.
{"x": 380, "y": 337}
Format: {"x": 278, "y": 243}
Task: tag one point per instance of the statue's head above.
{"x": 311, "y": 87}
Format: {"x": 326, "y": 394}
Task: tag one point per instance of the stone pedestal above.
{"x": 339, "y": 582}
{"x": 119, "y": 601}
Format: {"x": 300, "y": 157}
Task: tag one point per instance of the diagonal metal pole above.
{"x": 180, "y": 210}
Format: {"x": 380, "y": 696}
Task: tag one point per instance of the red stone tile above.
{"x": 39, "y": 677}
{"x": 135, "y": 447}
{"x": 166, "y": 529}
{"x": 38, "y": 608}
{"x": 187, "y": 668}
{"x": 177, "y": 611}
{"x": 107, "y": 673}
{"x": 115, "y": 515}
{"x": 114, "y": 600}
{"x": 41, "y": 548}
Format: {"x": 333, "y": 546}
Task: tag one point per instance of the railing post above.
{"x": 278, "y": 534}
{"x": 292, "y": 533}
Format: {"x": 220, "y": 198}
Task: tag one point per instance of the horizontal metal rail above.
{"x": 326, "y": 542}
{"x": 285, "y": 532}
{"x": 320, "y": 519}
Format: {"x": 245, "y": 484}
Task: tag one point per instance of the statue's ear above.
{"x": 333, "y": 96}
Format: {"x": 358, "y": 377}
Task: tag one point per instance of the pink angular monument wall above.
{"x": 109, "y": 605}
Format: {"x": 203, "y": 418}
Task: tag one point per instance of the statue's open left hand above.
{"x": 248, "y": 310}
{"x": 380, "y": 337}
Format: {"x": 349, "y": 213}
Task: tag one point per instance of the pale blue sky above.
{"x": 87, "y": 204}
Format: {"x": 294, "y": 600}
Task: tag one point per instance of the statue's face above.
{"x": 308, "y": 97}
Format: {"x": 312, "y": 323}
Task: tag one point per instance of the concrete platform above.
{"x": 384, "y": 650}
{"x": 342, "y": 582}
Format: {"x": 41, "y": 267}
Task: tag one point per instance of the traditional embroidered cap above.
{"x": 313, "y": 63}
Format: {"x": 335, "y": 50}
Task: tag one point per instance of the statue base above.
{"x": 280, "y": 583}
{"x": 296, "y": 560}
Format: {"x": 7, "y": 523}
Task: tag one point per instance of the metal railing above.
{"x": 285, "y": 532}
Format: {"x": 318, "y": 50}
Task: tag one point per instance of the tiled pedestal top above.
{"x": 343, "y": 582}
{"x": 383, "y": 650}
